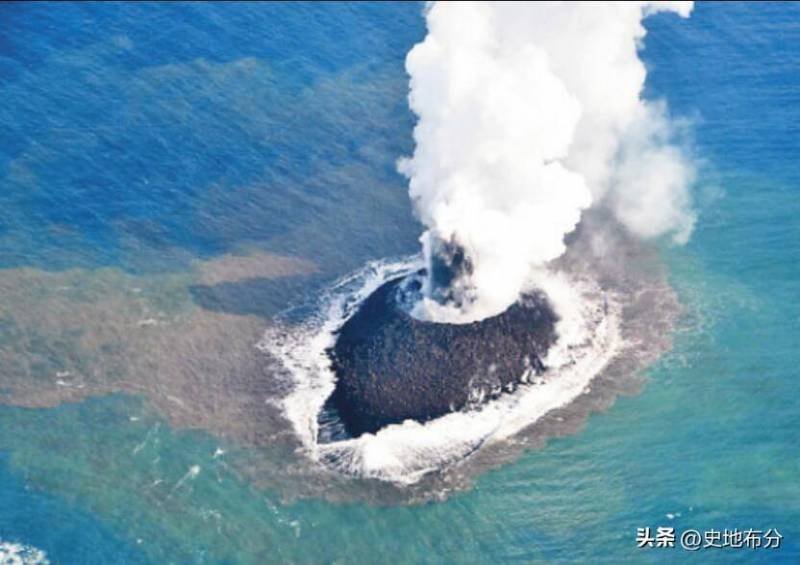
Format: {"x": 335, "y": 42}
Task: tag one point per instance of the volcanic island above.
{"x": 391, "y": 366}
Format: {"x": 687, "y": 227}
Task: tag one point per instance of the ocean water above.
{"x": 145, "y": 149}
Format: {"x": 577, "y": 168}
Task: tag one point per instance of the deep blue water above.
{"x": 156, "y": 130}
{"x": 141, "y": 137}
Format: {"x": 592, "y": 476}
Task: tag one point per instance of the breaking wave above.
{"x": 20, "y": 554}
{"x": 589, "y": 338}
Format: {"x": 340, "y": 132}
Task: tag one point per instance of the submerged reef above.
{"x": 391, "y": 367}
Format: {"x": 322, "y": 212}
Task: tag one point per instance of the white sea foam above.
{"x": 20, "y": 554}
{"x": 403, "y": 453}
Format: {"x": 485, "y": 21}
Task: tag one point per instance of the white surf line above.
{"x": 404, "y": 453}
{"x": 12, "y": 553}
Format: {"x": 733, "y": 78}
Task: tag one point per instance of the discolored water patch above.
{"x": 68, "y": 335}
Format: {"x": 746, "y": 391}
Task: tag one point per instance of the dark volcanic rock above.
{"x": 391, "y": 367}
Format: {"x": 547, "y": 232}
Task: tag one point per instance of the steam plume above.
{"x": 529, "y": 113}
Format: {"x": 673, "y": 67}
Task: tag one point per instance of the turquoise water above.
{"x": 136, "y": 140}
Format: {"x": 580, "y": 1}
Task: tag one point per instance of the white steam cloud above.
{"x": 529, "y": 113}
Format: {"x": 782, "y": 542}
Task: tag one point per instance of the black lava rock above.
{"x": 391, "y": 367}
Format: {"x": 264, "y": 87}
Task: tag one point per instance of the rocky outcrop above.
{"x": 391, "y": 367}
